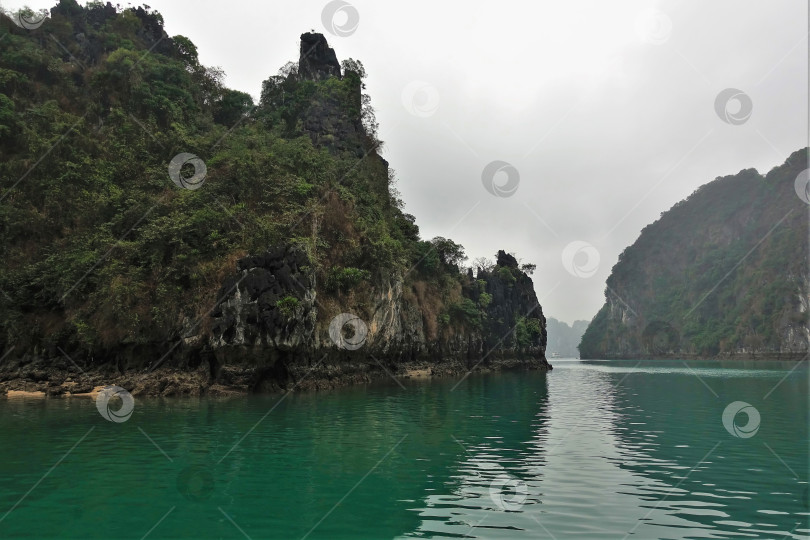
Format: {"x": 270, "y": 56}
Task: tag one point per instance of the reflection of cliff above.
{"x": 496, "y": 465}
{"x": 567, "y": 460}
{"x": 734, "y": 487}
{"x": 582, "y": 460}
{"x": 324, "y": 443}
{"x": 639, "y": 440}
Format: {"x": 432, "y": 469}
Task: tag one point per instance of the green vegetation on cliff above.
{"x": 722, "y": 272}
{"x": 101, "y": 248}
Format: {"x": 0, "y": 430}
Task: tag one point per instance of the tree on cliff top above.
{"x": 450, "y": 253}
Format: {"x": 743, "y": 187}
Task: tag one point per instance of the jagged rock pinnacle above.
{"x": 505, "y": 259}
{"x": 318, "y": 60}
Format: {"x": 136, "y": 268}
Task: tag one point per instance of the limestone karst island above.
{"x": 457, "y": 270}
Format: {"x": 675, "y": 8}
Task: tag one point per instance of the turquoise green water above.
{"x": 589, "y": 450}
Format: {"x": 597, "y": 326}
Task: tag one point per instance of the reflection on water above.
{"x": 589, "y": 450}
{"x": 638, "y": 449}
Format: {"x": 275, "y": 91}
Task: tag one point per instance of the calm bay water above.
{"x": 589, "y": 450}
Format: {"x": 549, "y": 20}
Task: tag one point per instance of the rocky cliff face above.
{"x": 318, "y": 60}
{"x": 723, "y": 273}
{"x": 328, "y": 120}
{"x": 310, "y": 277}
{"x": 273, "y": 341}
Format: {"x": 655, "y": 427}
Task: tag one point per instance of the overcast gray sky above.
{"x": 606, "y": 110}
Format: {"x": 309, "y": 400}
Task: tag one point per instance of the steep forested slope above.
{"x": 723, "y": 272}
{"x": 152, "y": 218}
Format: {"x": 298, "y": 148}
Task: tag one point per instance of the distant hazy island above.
{"x": 563, "y": 339}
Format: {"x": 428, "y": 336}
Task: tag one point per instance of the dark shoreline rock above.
{"x": 236, "y": 380}
{"x": 255, "y": 345}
